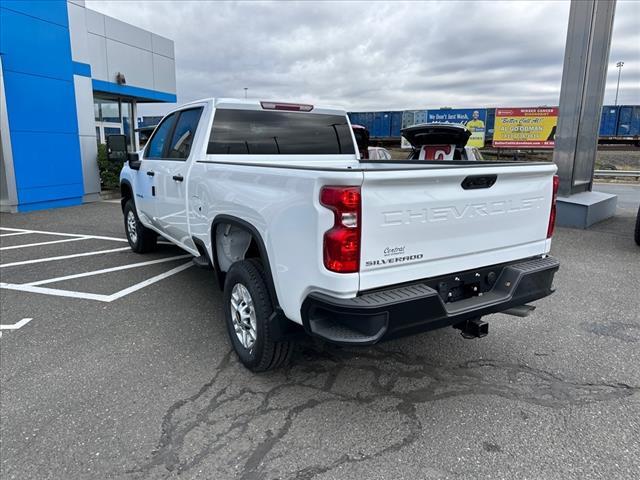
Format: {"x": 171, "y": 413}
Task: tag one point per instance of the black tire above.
{"x": 637, "y": 233}
{"x": 265, "y": 353}
{"x": 141, "y": 239}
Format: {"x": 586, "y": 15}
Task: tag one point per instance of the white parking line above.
{"x": 63, "y": 257}
{"x": 107, "y": 270}
{"x": 15, "y": 233}
{"x": 13, "y": 247}
{"x": 34, "y": 287}
{"x": 150, "y": 281}
{"x": 15, "y": 326}
{"x": 95, "y": 296}
{"x": 62, "y": 234}
{"x": 55, "y": 292}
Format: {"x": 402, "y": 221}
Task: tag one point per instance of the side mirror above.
{"x": 134, "y": 161}
{"x": 116, "y": 148}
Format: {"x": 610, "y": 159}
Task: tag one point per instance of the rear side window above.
{"x": 255, "y": 132}
{"x": 159, "y": 139}
{"x": 183, "y": 134}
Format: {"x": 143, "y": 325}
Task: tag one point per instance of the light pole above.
{"x": 619, "y": 65}
{"x": 247, "y": 88}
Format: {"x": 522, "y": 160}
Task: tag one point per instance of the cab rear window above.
{"x": 256, "y": 132}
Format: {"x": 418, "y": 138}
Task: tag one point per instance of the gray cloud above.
{"x": 378, "y": 55}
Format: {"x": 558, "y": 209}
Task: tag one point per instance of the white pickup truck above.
{"x": 306, "y": 237}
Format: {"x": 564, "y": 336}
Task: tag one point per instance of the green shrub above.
{"x": 109, "y": 171}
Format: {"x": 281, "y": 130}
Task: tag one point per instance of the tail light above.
{"x": 341, "y": 249}
{"x": 552, "y": 214}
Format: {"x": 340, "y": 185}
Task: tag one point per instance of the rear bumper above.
{"x": 417, "y": 307}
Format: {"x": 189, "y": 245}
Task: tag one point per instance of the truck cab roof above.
{"x": 251, "y": 104}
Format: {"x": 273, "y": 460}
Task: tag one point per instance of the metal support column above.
{"x": 581, "y": 95}
{"x": 8, "y": 190}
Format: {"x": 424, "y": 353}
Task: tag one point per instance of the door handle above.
{"x": 473, "y": 182}
{"x": 178, "y": 178}
{"x": 151, "y": 173}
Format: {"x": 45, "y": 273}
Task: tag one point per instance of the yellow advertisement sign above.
{"x": 525, "y": 127}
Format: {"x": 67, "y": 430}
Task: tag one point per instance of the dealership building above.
{"x": 70, "y": 76}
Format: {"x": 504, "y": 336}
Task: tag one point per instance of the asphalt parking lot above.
{"x": 117, "y": 365}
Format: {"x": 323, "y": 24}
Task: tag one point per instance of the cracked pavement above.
{"x": 147, "y": 387}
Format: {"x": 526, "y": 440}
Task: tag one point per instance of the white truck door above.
{"x": 170, "y": 176}
{"x": 146, "y": 178}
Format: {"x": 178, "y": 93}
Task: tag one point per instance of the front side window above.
{"x": 256, "y": 132}
{"x": 160, "y": 137}
{"x": 183, "y": 134}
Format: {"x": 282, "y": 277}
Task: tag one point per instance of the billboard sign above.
{"x": 474, "y": 119}
{"x": 525, "y": 127}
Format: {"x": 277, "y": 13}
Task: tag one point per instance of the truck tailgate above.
{"x": 421, "y": 223}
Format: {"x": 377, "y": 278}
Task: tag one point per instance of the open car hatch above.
{"x": 436, "y": 134}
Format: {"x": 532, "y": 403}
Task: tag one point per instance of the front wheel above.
{"x": 247, "y": 309}
{"x": 141, "y": 239}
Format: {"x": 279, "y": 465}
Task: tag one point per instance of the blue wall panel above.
{"x": 38, "y": 71}
{"x": 34, "y": 46}
{"x": 82, "y": 69}
{"x": 40, "y": 165}
{"x": 29, "y": 93}
{"x": 54, "y": 11}
{"x": 142, "y": 94}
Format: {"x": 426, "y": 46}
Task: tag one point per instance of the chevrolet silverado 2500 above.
{"x": 304, "y": 236}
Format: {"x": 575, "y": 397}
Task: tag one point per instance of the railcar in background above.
{"x": 619, "y": 124}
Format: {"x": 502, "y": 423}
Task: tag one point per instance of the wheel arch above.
{"x": 256, "y": 239}
{"x": 126, "y": 193}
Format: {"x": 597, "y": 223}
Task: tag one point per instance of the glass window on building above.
{"x": 114, "y": 116}
{"x": 110, "y": 111}
{"x": 128, "y": 125}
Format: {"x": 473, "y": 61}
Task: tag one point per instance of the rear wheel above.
{"x": 141, "y": 239}
{"x": 248, "y": 308}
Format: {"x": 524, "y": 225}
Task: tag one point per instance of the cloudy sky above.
{"x": 378, "y": 55}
